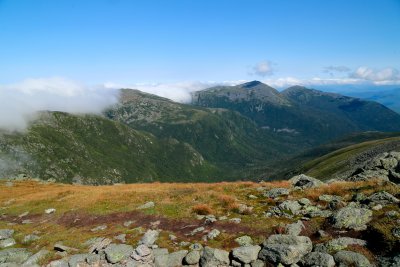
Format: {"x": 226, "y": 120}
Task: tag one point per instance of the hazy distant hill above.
{"x": 387, "y": 97}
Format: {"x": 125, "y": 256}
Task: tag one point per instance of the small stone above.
{"x": 99, "y": 228}
{"x": 252, "y": 197}
{"x": 50, "y": 211}
{"x": 147, "y": 205}
{"x": 26, "y": 213}
{"x": 128, "y": 223}
{"x": 377, "y": 207}
{"x": 30, "y": 238}
{"x": 244, "y": 240}
{"x": 121, "y": 237}
{"x": 235, "y": 220}
{"x": 172, "y": 237}
{"x": 294, "y": 228}
{"x": 149, "y": 238}
{"x": 213, "y": 234}
{"x": 197, "y": 230}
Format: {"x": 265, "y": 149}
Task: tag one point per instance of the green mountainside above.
{"x": 93, "y": 149}
{"x": 307, "y": 116}
{"x": 225, "y": 138}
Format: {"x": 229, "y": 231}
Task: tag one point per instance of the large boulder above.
{"x": 118, "y": 252}
{"x": 382, "y": 198}
{"x": 6, "y": 233}
{"x": 277, "y": 192}
{"x": 350, "y": 258}
{"x": 352, "y": 218}
{"x": 318, "y": 259}
{"x": 290, "y": 206}
{"x": 338, "y": 244}
{"x": 14, "y": 255}
{"x": 285, "y": 249}
{"x": 212, "y": 257}
{"x": 176, "y": 258}
{"x": 246, "y": 254}
{"x": 303, "y": 181}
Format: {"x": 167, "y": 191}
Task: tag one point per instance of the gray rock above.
{"x": 99, "y": 228}
{"x": 118, "y": 252}
{"x": 212, "y": 257}
{"x": 35, "y": 258}
{"x": 304, "y": 201}
{"x": 329, "y": 198}
{"x": 161, "y": 257}
{"x": 244, "y": 240}
{"x": 214, "y": 233}
{"x": 366, "y": 175}
{"x": 349, "y": 258}
{"x": 246, "y": 254}
{"x": 176, "y": 258}
{"x": 258, "y": 263}
{"x": 98, "y": 244}
{"x": 197, "y": 230}
{"x": 244, "y": 209}
{"x": 318, "y": 259}
{"x": 383, "y": 198}
{"x": 290, "y": 205}
{"x": 352, "y": 218}
{"x": 396, "y": 232}
{"x": 58, "y": 263}
{"x": 294, "y": 228}
{"x": 6, "y": 233}
{"x": 9, "y": 242}
{"x": 149, "y": 238}
{"x": 121, "y": 237}
{"x": 77, "y": 260}
{"x": 61, "y": 248}
{"x": 50, "y": 211}
{"x": 303, "y": 181}
{"x": 235, "y": 220}
{"x": 196, "y": 246}
{"x": 338, "y": 244}
{"x": 128, "y": 223}
{"x": 143, "y": 255}
{"x": 146, "y": 205}
{"x": 14, "y": 255}
{"x": 193, "y": 257}
{"x": 30, "y": 238}
{"x": 277, "y": 192}
{"x": 286, "y": 249}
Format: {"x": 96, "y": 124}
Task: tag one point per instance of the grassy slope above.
{"x": 295, "y": 165}
{"x": 64, "y": 146}
{"x": 174, "y": 207}
{"x": 327, "y": 166}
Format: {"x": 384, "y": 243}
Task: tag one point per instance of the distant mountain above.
{"x": 92, "y": 149}
{"x": 387, "y": 97}
{"x": 227, "y": 139}
{"x": 309, "y": 117}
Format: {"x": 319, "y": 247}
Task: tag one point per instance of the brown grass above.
{"x": 202, "y": 209}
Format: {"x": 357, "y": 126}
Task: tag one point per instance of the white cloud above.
{"x": 177, "y": 91}
{"x": 383, "y": 75}
{"x": 20, "y": 101}
{"x": 263, "y": 68}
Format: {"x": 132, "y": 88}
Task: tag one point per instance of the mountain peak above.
{"x": 251, "y": 84}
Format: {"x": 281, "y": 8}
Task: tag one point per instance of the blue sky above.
{"x": 187, "y": 43}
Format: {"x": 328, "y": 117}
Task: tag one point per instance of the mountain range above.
{"x": 226, "y": 133}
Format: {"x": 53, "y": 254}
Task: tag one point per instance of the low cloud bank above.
{"x": 20, "y": 101}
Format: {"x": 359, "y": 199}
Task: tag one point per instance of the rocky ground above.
{"x": 300, "y": 222}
